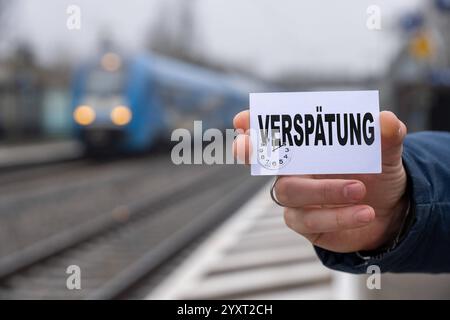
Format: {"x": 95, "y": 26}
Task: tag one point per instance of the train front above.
{"x": 102, "y": 112}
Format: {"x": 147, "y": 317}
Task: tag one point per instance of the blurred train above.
{"x": 129, "y": 104}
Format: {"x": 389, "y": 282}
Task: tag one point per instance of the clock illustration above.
{"x": 273, "y": 158}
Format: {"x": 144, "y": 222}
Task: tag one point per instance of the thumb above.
{"x": 393, "y": 132}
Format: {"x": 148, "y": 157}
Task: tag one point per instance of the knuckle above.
{"x": 282, "y": 189}
{"x": 339, "y": 220}
{"x": 327, "y": 190}
{"x": 309, "y": 223}
{"x": 289, "y": 218}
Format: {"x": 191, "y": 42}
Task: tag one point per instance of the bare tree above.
{"x": 5, "y": 6}
{"x": 160, "y": 37}
{"x": 174, "y": 32}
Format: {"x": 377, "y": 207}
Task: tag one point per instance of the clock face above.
{"x": 273, "y": 158}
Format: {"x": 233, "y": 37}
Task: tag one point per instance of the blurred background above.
{"x": 90, "y": 92}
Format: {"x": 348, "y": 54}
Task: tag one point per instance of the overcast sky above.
{"x": 269, "y": 36}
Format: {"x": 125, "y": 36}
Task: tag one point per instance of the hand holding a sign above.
{"x": 344, "y": 213}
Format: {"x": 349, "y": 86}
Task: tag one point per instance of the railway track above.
{"x": 38, "y": 155}
{"x": 9, "y": 178}
{"x": 36, "y": 210}
{"x": 251, "y": 256}
{"x": 117, "y": 248}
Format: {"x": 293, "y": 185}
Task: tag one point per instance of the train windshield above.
{"x": 103, "y": 83}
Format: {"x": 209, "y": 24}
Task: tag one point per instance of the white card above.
{"x": 335, "y": 132}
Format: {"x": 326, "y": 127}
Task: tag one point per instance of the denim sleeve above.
{"x": 426, "y": 246}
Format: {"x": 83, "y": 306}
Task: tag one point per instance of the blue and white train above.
{"x": 128, "y": 104}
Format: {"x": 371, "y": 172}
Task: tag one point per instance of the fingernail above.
{"x": 353, "y": 191}
{"x": 363, "y": 215}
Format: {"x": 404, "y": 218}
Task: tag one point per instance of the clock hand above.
{"x": 279, "y": 147}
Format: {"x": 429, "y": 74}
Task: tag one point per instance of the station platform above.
{"x": 39, "y": 153}
{"x": 254, "y": 255}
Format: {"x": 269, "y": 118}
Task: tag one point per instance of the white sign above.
{"x": 336, "y": 132}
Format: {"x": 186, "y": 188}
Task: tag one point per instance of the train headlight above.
{"x": 84, "y": 115}
{"x": 121, "y": 115}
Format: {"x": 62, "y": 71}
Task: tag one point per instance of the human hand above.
{"x": 343, "y": 213}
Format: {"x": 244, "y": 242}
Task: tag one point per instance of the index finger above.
{"x": 242, "y": 120}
